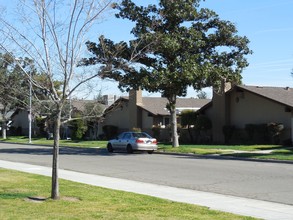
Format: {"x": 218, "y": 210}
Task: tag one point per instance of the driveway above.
{"x": 256, "y": 180}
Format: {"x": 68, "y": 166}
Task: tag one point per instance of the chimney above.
{"x": 109, "y": 99}
{"x": 135, "y": 100}
{"x": 220, "y": 110}
{"x": 135, "y": 96}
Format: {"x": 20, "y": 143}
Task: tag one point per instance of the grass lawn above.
{"x": 44, "y": 141}
{"x": 274, "y": 152}
{"x": 283, "y": 154}
{"x": 21, "y": 198}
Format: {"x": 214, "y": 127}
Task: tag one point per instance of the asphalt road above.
{"x": 257, "y": 180}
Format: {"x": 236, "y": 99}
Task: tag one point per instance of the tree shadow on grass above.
{"x": 278, "y": 155}
{"x": 12, "y": 195}
{"x": 279, "y": 147}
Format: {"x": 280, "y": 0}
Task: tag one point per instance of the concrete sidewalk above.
{"x": 232, "y": 204}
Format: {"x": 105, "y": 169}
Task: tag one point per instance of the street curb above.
{"x": 218, "y": 157}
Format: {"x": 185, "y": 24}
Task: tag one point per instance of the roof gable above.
{"x": 157, "y": 105}
{"x": 278, "y": 94}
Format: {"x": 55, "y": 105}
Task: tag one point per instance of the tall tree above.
{"x": 177, "y": 44}
{"x": 14, "y": 86}
{"x": 202, "y": 95}
{"x": 53, "y": 34}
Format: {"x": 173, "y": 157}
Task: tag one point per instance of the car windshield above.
{"x": 141, "y": 135}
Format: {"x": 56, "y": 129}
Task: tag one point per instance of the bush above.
{"x": 257, "y": 133}
{"x": 228, "y": 131}
{"x": 275, "y": 130}
{"x": 110, "y": 131}
{"x": 79, "y": 128}
{"x": 156, "y": 132}
{"x": 40, "y": 122}
{"x": 203, "y": 123}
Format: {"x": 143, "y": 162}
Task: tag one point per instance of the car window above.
{"x": 120, "y": 136}
{"x": 127, "y": 136}
{"x": 140, "y": 135}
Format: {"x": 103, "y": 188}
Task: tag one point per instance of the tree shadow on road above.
{"x": 63, "y": 151}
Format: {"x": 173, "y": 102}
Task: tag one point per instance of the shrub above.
{"x": 79, "y": 128}
{"x": 203, "y": 123}
{"x": 40, "y": 122}
{"x": 228, "y": 131}
{"x": 110, "y": 131}
{"x": 275, "y": 130}
{"x": 156, "y": 132}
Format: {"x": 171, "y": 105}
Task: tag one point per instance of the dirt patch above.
{"x": 71, "y": 199}
{"x": 36, "y": 199}
{"x": 39, "y": 199}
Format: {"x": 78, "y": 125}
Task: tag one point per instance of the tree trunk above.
{"x": 55, "y": 165}
{"x": 190, "y": 134}
{"x": 4, "y": 129}
{"x": 172, "y": 108}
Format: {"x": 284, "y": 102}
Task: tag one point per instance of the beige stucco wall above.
{"x": 147, "y": 121}
{"x": 21, "y": 120}
{"x": 248, "y": 108}
{"x": 118, "y": 117}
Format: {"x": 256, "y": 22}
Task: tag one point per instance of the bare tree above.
{"x": 52, "y": 33}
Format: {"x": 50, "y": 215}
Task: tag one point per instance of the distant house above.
{"x": 243, "y": 107}
{"x": 20, "y": 122}
{"x": 92, "y": 110}
{"x": 136, "y": 111}
{"x": 5, "y": 118}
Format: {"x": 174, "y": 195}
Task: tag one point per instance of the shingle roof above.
{"x": 157, "y": 105}
{"x": 282, "y": 95}
{"x": 81, "y": 104}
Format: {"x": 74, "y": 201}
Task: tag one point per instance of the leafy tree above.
{"x": 78, "y": 128}
{"x": 202, "y": 95}
{"x": 14, "y": 86}
{"x": 188, "y": 119}
{"x": 177, "y": 44}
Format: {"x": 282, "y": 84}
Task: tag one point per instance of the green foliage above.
{"x": 176, "y": 44}
{"x": 110, "y": 131}
{"x": 188, "y": 117}
{"x": 40, "y": 122}
{"x": 14, "y": 83}
{"x": 156, "y": 132}
{"x": 202, "y": 95}
{"x": 275, "y": 129}
{"x": 228, "y": 131}
{"x": 203, "y": 123}
{"x": 79, "y": 128}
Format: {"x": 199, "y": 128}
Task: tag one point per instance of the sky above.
{"x": 268, "y": 24}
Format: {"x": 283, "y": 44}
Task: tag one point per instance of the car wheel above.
{"x": 150, "y": 151}
{"x": 129, "y": 149}
{"x": 110, "y": 148}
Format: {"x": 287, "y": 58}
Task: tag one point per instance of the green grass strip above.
{"x": 26, "y": 196}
